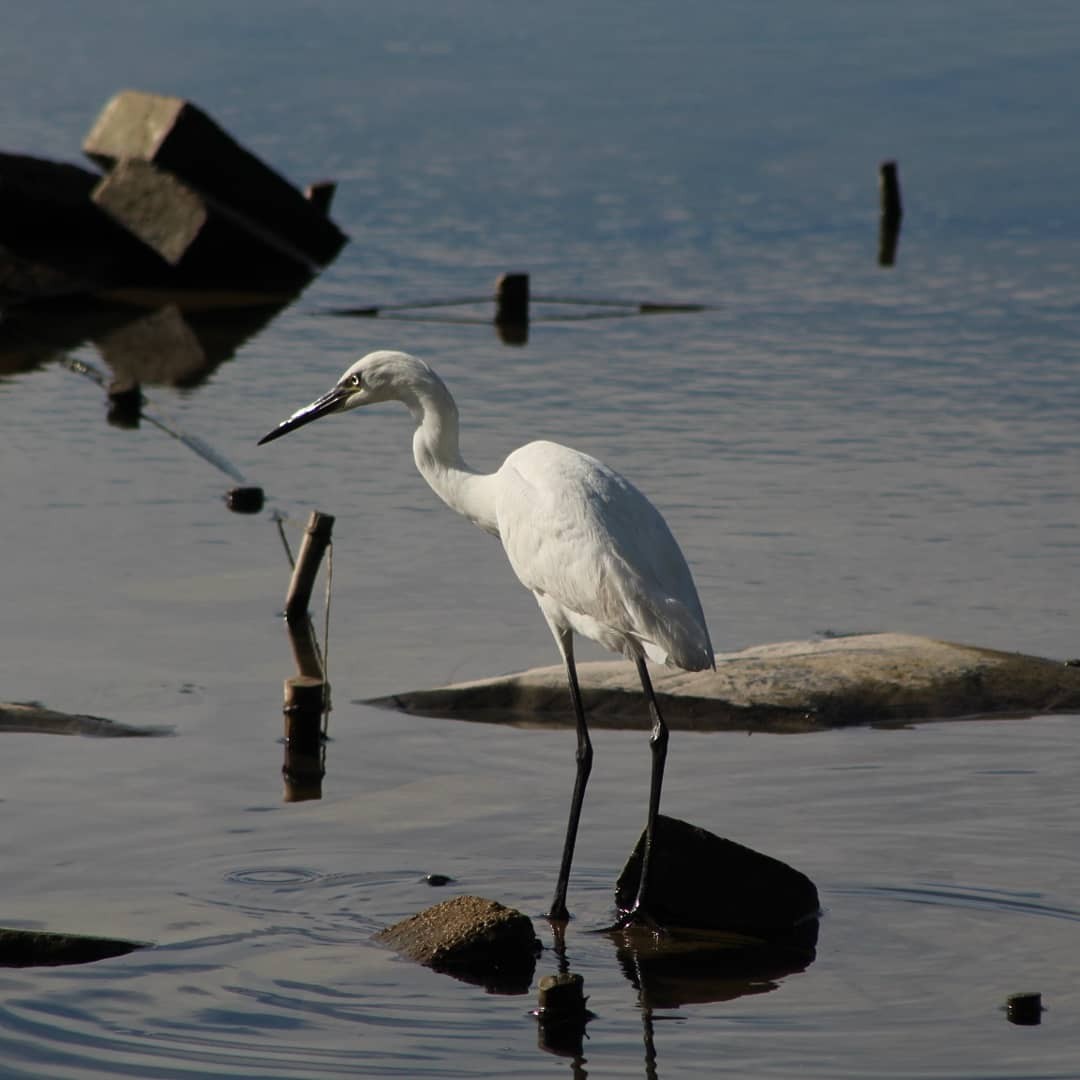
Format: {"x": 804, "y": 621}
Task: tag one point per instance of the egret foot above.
{"x": 558, "y": 915}
{"x": 638, "y": 917}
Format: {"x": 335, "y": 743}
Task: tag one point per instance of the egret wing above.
{"x": 577, "y": 532}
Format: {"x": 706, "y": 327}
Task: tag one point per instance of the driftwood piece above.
{"x": 791, "y": 686}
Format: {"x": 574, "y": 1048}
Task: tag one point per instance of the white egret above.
{"x": 595, "y": 553}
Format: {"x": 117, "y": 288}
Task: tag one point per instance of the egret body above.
{"x": 596, "y": 554}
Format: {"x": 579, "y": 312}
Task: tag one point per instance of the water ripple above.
{"x": 959, "y": 896}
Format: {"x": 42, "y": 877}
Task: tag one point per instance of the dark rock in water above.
{"x": 39, "y": 948}
{"x": 474, "y": 939}
{"x": 703, "y": 881}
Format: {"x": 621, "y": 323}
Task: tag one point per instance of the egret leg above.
{"x": 658, "y": 742}
{"x": 584, "y": 756}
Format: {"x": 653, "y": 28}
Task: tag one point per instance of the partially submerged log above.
{"x": 791, "y": 686}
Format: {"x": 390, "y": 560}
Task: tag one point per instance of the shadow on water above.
{"x": 936, "y": 895}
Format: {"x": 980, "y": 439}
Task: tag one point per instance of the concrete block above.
{"x": 54, "y": 241}
{"x": 208, "y": 245}
{"x": 180, "y": 138}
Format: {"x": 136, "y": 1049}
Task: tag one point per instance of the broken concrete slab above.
{"x": 208, "y": 245}
{"x": 179, "y": 138}
{"x": 184, "y": 208}
{"x": 787, "y": 687}
{"x": 472, "y": 938}
{"x": 54, "y": 241}
{"x": 702, "y": 881}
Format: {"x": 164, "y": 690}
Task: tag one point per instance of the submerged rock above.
{"x": 791, "y": 686}
{"x": 475, "y": 939}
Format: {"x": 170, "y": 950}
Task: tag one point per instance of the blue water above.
{"x": 837, "y": 446}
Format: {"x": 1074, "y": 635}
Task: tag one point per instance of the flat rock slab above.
{"x": 791, "y": 686}
{"x": 42, "y": 948}
{"x": 29, "y": 717}
{"x": 475, "y": 939}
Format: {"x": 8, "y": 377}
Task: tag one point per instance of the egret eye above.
{"x": 355, "y": 380}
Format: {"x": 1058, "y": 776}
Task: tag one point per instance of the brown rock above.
{"x": 477, "y": 939}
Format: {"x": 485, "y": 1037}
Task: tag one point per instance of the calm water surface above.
{"x": 838, "y": 447}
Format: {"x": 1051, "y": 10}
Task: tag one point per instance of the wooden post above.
{"x": 303, "y": 768}
{"x": 892, "y": 213}
{"x": 512, "y": 300}
{"x": 306, "y": 695}
{"x": 321, "y": 195}
{"x": 125, "y": 403}
{"x": 1024, "y": 1009}
{"x": 305, "y": 701}
{"x": 314, "y": 545}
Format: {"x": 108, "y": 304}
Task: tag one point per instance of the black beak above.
{"x": 324, "y": 406}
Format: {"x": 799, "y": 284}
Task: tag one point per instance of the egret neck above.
{"x": 438, "y": 457}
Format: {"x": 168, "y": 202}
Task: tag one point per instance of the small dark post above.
{"x": 1024, "y": 1009}
{"x": 316, "y": 540}
{"x": 512, "y": 308}
{"x": 892, "y": 213}
{"x": 321, "y": 195}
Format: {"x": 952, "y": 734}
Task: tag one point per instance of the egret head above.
{"x": 379, "y": 376}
